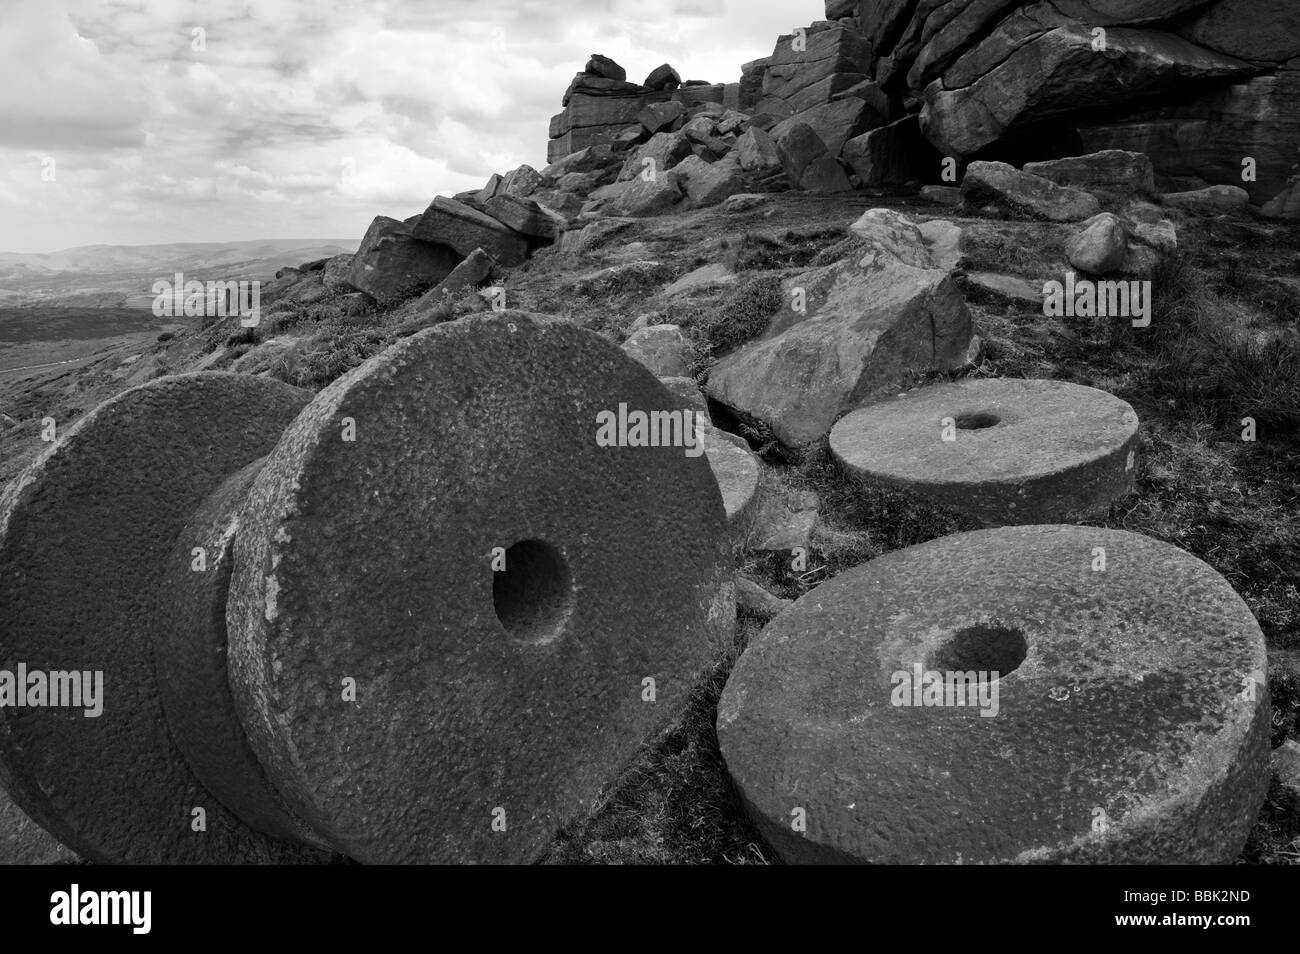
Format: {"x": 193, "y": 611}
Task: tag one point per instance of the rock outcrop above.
{"x": 1209, "y": 89}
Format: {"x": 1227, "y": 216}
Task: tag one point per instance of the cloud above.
{"x": 208, "y": 120}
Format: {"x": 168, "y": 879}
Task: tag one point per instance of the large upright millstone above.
{"x": 1006, "y": 451}
{"x": 86, "y": 537}
{"x": 1130, "y": 722}
{"x": 410, "y": 702}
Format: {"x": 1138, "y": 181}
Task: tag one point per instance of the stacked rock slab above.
{"x": 597, "y": 108}
{"x": 1200, "y": 85}
{"x": 1003, "y": 450}
{"x": 1120, "y": 732}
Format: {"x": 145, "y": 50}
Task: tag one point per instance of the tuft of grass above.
{"x": 794, "y": 248}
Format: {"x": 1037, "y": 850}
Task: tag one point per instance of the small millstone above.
{"x": 1012, "y": 451}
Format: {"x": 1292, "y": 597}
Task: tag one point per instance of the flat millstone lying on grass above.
{"x": 1132, "y": 712}
{"x": 1023, "y": 451}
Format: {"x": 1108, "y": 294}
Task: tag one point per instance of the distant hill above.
{"x": 113, "y": 276}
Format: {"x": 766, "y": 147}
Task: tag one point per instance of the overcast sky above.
{"x": 306, "y": 118}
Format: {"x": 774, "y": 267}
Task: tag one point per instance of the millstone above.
{"x": 23, "y": 842}
{"x": 408, "y": 702}
{"x": 86, "y": 537}
{"x": 1132, "y": 713}
{"x": 190, "y": 660}
{"x": 736, "y": 470}
{"x": 1022, "y": 451}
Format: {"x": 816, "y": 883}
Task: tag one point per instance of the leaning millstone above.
{"x": 1006, "y": 187}
{"x": 1101, "y": 245}
{"x": 1129, "y": 725}
{"x": 23, "y": 842}
{"x": 453, "y": 223}
{"x": 1003, "y": 450}
{"x": 367, "y": 561}
{"x": 86, "y": 538}
{"x": 736, "y": 470}
{"x": 661, "y": 348}
{"x": 190, "y": 662}
{"x": 393, "y": 264}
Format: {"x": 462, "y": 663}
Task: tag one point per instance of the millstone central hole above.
{"x": 533, "y": 595}
{"x": 986, "y": 647}
{"x": 977, "y": 421}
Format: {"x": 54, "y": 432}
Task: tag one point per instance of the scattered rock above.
{"x": 1005, "y": 187}
{"x": 1212, "y": 201}
{"x": 706, "y": 276}
{"x": 473, "y": 271}
{"x": 455, "y": 224}
{"x": 870, "y": 322}
{"x": 757, "y": 152}
{"x": 735, "y": 468}
{"x": 709, "y": 183}
{"x": 640, "y": 198}
{"x": 663, "y": 77}
{"x": 603, "y": 66}
{"x": 662, "y": 117}
{"x": 744, "y": 202}
{"x": 755, "y": 601}
{"x": 1100, "y": 247}
{"x": 663, "y": 349}
{"x": 1113, "y": 170}
{"x": 525, "y": 216}
{"x": 891, "y": 155}
{"x": 335, "y": 274}
{"x": 835, "y": 123}
{"x": 522, "y": 181}
{"x": 807, "y": 162}
{"x": 393, "y": 264}
{"x": 941, "y": 195}
{"x": 1007, "y": 287}
{"x": 661, "y": 153}
{"x": 783, "y": 518}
